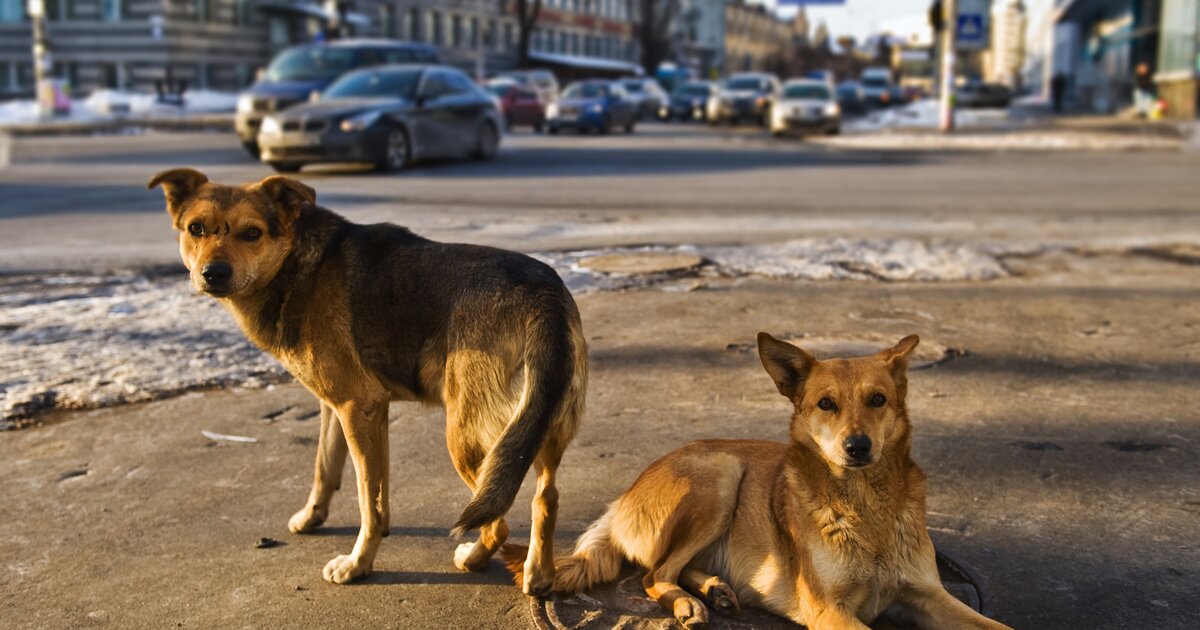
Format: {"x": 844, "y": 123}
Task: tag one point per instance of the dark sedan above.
{"x": 389, "y": 116}
{"x": 690, "y": 100}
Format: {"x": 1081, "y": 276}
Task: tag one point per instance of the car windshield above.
{"x": 586, "y": 90}
{"x": 376, "y": 84}
{"x": 499, "y": 89}
{"x": 314, "y": 63}
{"x": 519, "y": 79}
{"x": 693, "y": 89}
{"x": 874, "y": 82}
{"x": 633, "y": 86}
{"x": 806, "y": 91}
{"x": 744, "y": 83}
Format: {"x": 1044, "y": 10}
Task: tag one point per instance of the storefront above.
{"x": 1179, "y": 57}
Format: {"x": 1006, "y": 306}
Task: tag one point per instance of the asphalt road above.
{"x": 80, "y": 202}
{"x": 1061, "y": 447}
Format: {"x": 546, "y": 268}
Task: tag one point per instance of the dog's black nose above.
{"x": 217, "y": 273}
{"x": 858, "y": 447}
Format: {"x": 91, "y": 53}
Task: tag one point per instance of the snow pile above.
{"x": 106, "y": 104}
{"x": 852, "y": 259}
{"x": 77, "y": 342}
{"x": 1046, "y": 140}
{"x": 924, "y": 114}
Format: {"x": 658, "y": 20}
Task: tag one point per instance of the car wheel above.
{"x": 252, "y": 149}
{"x": 538, "y": 126}
{"x": 553, "y": 130}
{"x": 605, "y": 126}
{"x": 487, "y": 142}
{"x": 397, "y": 152}
{"x": 285, "y": 167}
{"x": 629, "y": 126}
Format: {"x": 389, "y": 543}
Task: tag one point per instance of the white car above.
{"x": 806, "y": 105}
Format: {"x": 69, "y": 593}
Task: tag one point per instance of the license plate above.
{"x": 300, "y": 140}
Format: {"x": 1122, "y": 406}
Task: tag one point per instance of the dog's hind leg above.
{"x": 327, "y": 476}
{"x": 696, "y": 525}
{"x": 716, "y": 593}
{"x": 538, "y": 578}
{"x": 365, "y": 426}
{"x": 466, "y": 419}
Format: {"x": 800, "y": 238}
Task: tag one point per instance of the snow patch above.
{"x": 107, "y": 104}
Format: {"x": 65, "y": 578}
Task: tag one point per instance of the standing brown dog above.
{"x": 828, "y": 530}
{"x": 365, "y": 314}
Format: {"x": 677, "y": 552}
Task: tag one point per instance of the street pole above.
{"x": 41, "y": 57}
{"x": 949, "y": 34}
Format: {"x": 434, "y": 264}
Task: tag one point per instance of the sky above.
{"x": 862, "y": 18}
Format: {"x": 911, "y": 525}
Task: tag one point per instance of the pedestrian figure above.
{"x": 1058, "y": 88}
{"x": 1143, "y": 90}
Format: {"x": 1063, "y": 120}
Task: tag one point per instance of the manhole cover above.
{"x": 633, "y": 263}
{"x": 623, "y": 604}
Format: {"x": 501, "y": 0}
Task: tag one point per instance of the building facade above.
{"x": 758, "y": 40}
{"x": 1178, "y": 71}
{"x": 1097, "y": 46}
{"x": 1006, "y": 56}
{"x": 221, "y": 44}
{"x": 698, "y": 37}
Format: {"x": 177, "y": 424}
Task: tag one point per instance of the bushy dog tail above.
{"x": 550, "y": 366}
{"x": 596, "y": 560}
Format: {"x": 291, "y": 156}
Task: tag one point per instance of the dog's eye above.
{"x": 878, "y": 400}
{"x": 196, "y": 229}
{"x": 253, "y": 234}
{"x": 825, "y": 404}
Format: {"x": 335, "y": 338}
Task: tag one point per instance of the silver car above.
{"x": 389, "y": 116}
{"x": 806, "y": 105}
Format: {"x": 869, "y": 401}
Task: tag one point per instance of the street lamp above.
{"x": 41, "y": 58}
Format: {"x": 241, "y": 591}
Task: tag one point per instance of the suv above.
{"x": 297, "y": 72}
{"x": 747, "y": 95}
{"x": 877, "y": 86}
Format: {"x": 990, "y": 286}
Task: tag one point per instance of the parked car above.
{"x": 594, "y": 104}
{"x": 850, "y": 98}
{"x": 296, "y": 73}
{"x": 747, "y": 96}
{"x": 979, "y": 94}
{"x": 649, "y": 97}
{"x": 541, "y": 81}
{"x": 806, "y": 105}
{"x": 390, "y": 116}
{"x": 519, "y": 105}
{"x": 690, "y": 101}
{"x": 877, "y": 86}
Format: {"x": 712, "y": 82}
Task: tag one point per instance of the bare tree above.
{"x": 527, "y": 13}
{"x": 653, "y": 29}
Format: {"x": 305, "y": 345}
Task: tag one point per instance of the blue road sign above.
{"x": 972, "y": 32}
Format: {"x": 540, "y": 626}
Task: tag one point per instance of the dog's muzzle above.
{"x": 216, "y": 277}
{"x": 858, "y": 450}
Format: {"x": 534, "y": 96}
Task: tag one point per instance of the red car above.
{"x": 520, "y": 105}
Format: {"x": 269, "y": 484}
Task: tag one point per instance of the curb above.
{"x": 205, "y": 122}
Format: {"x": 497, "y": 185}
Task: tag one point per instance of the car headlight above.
{"x": 245, "y": 104}
{"x": 359, "y": 122}
{"x": 552, "y": 110}
{"x": 597, "y": 108}
{"x": 832, "y": 109}
{"x": 270, "y": 126}
{"x": 761, "y": 101}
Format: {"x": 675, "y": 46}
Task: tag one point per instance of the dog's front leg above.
{"x": 327, "y": 476}
{"x": 364, "y": 424}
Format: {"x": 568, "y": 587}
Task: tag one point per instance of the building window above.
{"x": 12, "y": 10}
{"x": 413, "y": 25}
{"x": 110, "y": 10}
{"x": 456, "y": 34}
{"x": 473, "y": 33}
{"x": 435, "y": 28}
{"x": 510, "y": 39}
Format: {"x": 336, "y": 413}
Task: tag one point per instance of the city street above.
{"x": 1053, "y": 399}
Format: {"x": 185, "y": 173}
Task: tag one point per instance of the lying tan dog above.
{"x": 365, "y": 314}
{"x": 828, "y": 530}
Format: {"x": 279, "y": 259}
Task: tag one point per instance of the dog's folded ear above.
{"x": 787, "y": 364}
{"x": 289, "y": 196}
{"x": 178, "y": 184}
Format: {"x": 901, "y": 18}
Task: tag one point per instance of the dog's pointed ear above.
{"x": 178, "y": 184}
{"x": 896, "y": 358}
{"x": 289, "y": 195}
{"x": 787, "y": 364}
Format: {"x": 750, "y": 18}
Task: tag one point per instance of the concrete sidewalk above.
{"x": 1061, "y": 452}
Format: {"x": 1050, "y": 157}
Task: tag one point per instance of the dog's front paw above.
{"x": 344, "y": 569}
{"x": 465, "y": 561}
{"x": 306, "y": 520}
{"x": 690, "y": 613}
{"x": 721, "y": 598}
